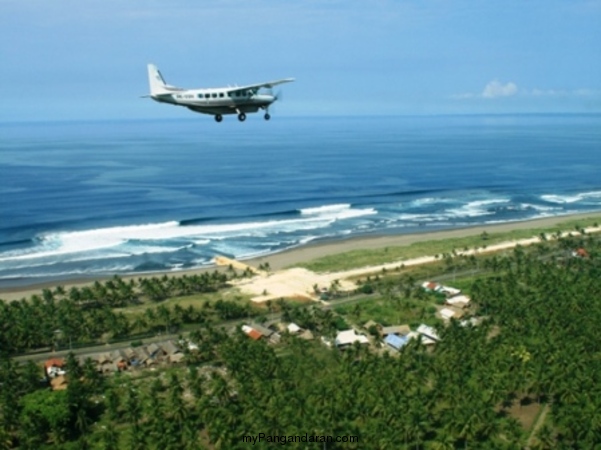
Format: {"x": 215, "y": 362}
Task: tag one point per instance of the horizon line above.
{"x": 305, "y": 116}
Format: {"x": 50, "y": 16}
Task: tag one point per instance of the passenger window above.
{"x": 214, "y": 95}
{"x": 221, "y": 95}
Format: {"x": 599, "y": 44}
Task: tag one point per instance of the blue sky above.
{"x": 74, "y": 59}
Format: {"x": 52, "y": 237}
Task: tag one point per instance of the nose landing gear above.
{"x": 218, "y": 117}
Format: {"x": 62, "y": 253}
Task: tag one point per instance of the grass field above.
{"x": 390, "y": 311}
{"x": 371, "y": 257}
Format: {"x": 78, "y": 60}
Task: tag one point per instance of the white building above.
{"x": 349, "y": 337}
{"x": 427, "y": 331}
{"x": 425, "y": 339}
{"x": 447, "y": 313}
{"x": 461, "y": 301}
{"x": 294, "y": 328}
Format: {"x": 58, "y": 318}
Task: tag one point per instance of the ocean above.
{"x": 83, "y": 199}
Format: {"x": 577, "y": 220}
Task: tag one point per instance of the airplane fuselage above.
{"x": 215, "y": 101}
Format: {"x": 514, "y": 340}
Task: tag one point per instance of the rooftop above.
{"x": 348, "y": 337}
{"x": 396, "y": 342}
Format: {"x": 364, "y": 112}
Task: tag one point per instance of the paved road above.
{"x": 41, "y": 356}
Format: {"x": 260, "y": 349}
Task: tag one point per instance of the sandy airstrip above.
{"x": 285, "y": 280}
{"x": 299, "y": 282}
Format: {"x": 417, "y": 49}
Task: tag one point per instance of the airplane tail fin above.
{"x": 157, "y": 82}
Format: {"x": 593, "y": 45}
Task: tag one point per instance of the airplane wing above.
{"x": 256, "y": 87}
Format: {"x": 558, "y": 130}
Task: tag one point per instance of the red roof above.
{"x": 254, "y": 334}
{"x": 56, "y": 362}
{"x": 582, "y": 252}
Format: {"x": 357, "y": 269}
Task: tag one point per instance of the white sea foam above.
{"x": 69, "y": 242}
{"x": 151, "y": 249}
{"x": 326, "y": 209}
{"x": 307, "y": 239}
{"x": 551, "y": 198}
{"x": 418, "y": 217}
{"x": 142, "y": 239}
{"x": 72, "y": 272}
{"x": 475, "y": 208}
{"x": 563, "y": 199}
{"x": 471, "y": 209}
{"x": 539, "y": 207}
{"x": 430, "y": 201}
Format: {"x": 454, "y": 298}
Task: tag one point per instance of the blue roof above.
{"x": 396, "y": 342}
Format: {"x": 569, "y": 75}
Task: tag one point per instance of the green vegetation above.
{"x": 362, "y": 258}
{"x": 527, "y": 375}
{"x": 117, "y": 310}
{"x": 385, "y": 312}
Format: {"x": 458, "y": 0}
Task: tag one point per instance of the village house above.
{"x": 142, "y": 357}
{"x": 451, "y": 313}
{"x": 191, "y": 346}
{"x": 252, "y": 333}
{"x": 265, "y": 332}
{"x": 54, "y": 367}
{"x": 396, "y": 342}
{"x": 155, "y": 351}
{"x": 130, "y": 354}
{"x": 173, "y": 353}
{"x": 347, "y": 338}
{"x": 119, "y": 360}
{"x": 256, "y": 332}
{"x": 429, "y": 334}
{"x": 293, "y": 328}
{"x": 460, "y": 301}
{"x": 431, "y": 286}
{"x": 397, "y": 330}
{"x": 104, "y": 362}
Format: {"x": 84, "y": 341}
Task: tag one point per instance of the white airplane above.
{"x": 216, "y": 101}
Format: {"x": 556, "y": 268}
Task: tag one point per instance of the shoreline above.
{"x": 317, "y": 250}
{"x": 311, "y": 251}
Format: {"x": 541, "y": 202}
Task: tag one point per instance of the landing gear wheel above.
{"x": 267, "y": 116}
{"x": 218, "y": 117}
{"x": 241, "y": 117}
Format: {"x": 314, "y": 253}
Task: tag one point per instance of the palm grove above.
{"x": 537, "y": 343}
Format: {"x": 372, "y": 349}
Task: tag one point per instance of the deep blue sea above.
{"x": 97, "y": 198}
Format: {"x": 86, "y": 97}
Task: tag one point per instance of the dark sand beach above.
{"x": 317, "y": 250}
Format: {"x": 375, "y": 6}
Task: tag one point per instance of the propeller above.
{"x": 277, "y": 96}
{"x": 271, "y": 107}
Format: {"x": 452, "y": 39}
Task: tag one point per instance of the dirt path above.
{"x": 304, "y": 284}
{"x": 539, "y": 423}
